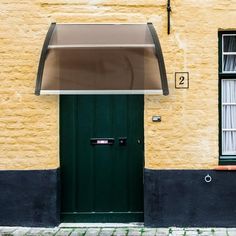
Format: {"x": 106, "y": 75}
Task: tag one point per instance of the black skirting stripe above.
{"x": 29, "y": 198}
{"x": 183, "y": 198}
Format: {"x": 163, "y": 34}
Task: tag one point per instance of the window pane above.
{"x": 229, "y": 91}
{"x": 229, "y": 117}
{"x": 229, "y": 43}
{"x": 229, "y": 63}
{"x": 229, "y": 143}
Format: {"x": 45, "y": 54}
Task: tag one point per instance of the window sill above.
{"x": 230, "y": 161}
{"x": 226, "y": 167}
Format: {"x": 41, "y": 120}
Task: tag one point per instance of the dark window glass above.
{"x": 229, "y": 43}
{"x": 229, "y": 63}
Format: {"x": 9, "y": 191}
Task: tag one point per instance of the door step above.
{"x": 102, "y": 225}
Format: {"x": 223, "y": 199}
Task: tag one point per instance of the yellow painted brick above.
{"x": 186, "y": 138}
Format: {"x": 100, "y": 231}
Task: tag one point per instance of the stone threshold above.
{"x": 102, "y": 225}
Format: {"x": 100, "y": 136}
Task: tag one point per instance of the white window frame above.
{"x": 225, "y": 75}
{"x": 227, "y": 155}
{"x": 226, "y": 53}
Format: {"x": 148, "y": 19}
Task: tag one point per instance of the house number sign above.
{"x": 181, "y": 80}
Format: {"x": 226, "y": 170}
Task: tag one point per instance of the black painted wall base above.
{"x": 183, "y": 198}
{"x": 29, "y": 198}
{"x": 180, "y": 198}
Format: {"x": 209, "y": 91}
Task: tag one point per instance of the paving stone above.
{"x": 49, "y": 231}
{"x": 149, "y": 232}
{"x": 198, "y": 232}
{"x": 178, "y": 233}
{"x": 222, "y": 233}
{"x": 191, "y": 232}
{"x": 134, "y": 232}
{"x": 93, "y": 232}
{"x": 78, "y": 232}
{"x": 206, "y": 233}
{"x": 231, "y": 232}
{"x": 121, "y": 232}
{"x": 7, "y": 230}
{"x": 6, "y": 234}
{"x": 64, "y": 232}
{"x": 162, "y": 232}
{"x": 35, "y": 231}
{"x": 21, "y": 231}
{"x": 107, "y": 232}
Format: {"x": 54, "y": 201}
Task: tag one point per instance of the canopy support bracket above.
{"x": 43, "y": 58}
{"x": 160, "y": 60}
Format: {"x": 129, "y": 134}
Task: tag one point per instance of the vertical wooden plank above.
{"x": 84, "y": 154}
{"x": 67, "y": 151}
{"x": 103, "y": 154}
{"x": 135, "y": 152}
{"x": 119, "y": 165}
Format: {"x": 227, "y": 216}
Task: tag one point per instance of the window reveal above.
{"x": 227, "y": 76}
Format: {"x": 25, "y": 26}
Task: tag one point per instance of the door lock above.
{"x": 122, "y": 141}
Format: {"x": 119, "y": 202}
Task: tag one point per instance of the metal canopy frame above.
{"x": 160, "y": 58}
{"x": 158, "y": 54}
{"x": 43, "y": 58}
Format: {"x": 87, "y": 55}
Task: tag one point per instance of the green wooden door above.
{"x": 101, "y": 182}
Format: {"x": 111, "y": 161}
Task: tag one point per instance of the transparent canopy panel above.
{"x": 101, "y": 35}
{"x": 101, "y": 59}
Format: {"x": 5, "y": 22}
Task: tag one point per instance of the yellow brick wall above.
{"x": 186, "y": 138}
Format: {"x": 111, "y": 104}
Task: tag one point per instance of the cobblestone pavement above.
{"x": 22, "y": 231}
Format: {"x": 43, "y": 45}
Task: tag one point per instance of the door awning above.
{"x": 101, "y": 59}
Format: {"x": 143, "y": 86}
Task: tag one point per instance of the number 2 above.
{"x": 181, "y": 80}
